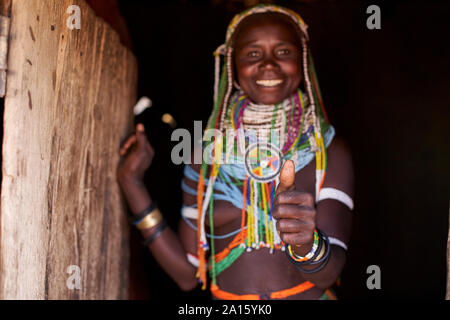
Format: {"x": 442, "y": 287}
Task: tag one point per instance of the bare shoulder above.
{"x": 339, "y": 166}
{"x": 340, "y": 149}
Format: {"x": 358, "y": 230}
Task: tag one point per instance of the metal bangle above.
{"x": 327, "y": 249}
{"x": 151, "y": 220}
{"x": 159, "y": 230}
{"x": 140, "y": 216}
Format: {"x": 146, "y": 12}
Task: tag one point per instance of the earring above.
{"x": 236, "y": 85}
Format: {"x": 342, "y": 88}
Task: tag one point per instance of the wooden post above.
{"x": 5, "y": 11}
{"x": 447, "y": 297}
{"x": 5, "y": 7}
{"x": 68, "y": 105}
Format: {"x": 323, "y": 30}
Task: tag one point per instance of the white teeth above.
{"x": 269, "y": 83}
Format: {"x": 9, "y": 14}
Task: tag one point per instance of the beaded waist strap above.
{"x": 224, "y": 295}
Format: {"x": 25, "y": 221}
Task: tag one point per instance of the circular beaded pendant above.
{"x": 263, "y": 161}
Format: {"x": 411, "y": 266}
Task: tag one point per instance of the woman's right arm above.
{"x": 169, "y": 249}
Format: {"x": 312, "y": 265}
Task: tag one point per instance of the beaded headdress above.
{"x": 312, "y": 117}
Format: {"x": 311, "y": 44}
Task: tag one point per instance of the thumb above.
{"x": 141, "y": 137}
{"x": 287, "y": 177}
{"x": 140, "y": 133}
{"x": 140, "y": 127}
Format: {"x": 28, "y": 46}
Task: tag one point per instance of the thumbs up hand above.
{"x": 294, "y": 211}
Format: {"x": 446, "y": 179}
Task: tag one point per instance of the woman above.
{"x": 261, "y": 230}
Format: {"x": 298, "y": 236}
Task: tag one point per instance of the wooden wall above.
{"x": 447, "y": 296}
{"x": 5, "y": 10}
{"x": 5, "y": 7}
{"x": 68, "y": 105}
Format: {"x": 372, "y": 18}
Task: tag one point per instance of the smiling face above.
{"x": 267, "y": 58}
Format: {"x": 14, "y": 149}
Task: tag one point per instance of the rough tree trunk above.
{"x": 68, "y": 105}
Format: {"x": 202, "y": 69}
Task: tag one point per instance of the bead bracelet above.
{"x": 323, "y": 260}
{"x": 317, "y": 255}
{"x": 310, "y": 254}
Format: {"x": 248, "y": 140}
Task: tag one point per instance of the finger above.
{"x": 143, "y": 140}
{"x": 291, "y": 225}
{"x": 128, "y": 143}
{"x": 297, "y": 238}
{"x": 130, "y": 140}
{"x": 293, "y": 211}
{"x": 140, "y": 127}
{"x": 295, "y": 197}
{"x": 141, "y": 136}
{"x": 287, "y": 177}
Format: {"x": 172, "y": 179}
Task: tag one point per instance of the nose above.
{"x": 269, "y": 63}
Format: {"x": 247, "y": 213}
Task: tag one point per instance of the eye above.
{"x": 283, "y": 52}
{"x": 253, "y": 54}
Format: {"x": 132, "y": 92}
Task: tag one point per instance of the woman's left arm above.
{"x": 298, "y": 215}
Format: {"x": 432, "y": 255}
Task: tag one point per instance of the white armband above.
{"x": 337, "y": 242}
{"x": 192, "y": 259}
{"x": 190, "y": 213}
{"x": 332, "y": 193}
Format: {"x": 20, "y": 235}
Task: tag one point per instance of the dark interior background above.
{"x": 386, "y": 93}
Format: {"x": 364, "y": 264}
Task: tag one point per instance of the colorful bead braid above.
{"x": 257, "y": 197}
